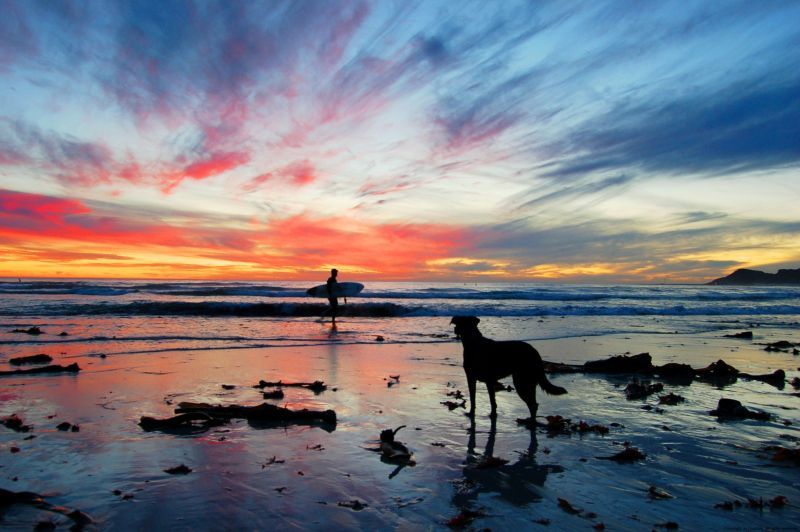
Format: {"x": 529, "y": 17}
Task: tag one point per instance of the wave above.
{"x": 390, "y": 310}
{"x": 528, "y": 293}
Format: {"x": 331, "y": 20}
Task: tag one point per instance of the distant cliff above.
{"x": 744, "y": 276}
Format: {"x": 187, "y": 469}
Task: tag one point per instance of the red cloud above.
{"x": 394, "y": 250}
{"x": 298, "y": 173}
{"x": 20, "y": 206}
{"x": 299, "y": 244}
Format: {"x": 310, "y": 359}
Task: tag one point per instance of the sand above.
{"x": 304, "y": 477}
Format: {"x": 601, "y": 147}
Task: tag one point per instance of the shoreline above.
{"x": 700, "y": 461}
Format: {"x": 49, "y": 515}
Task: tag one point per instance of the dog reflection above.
{"x": 515, "y": 483}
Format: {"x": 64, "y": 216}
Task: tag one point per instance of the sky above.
{"x": 594, "y": 142}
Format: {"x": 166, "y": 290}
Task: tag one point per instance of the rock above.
{"x": 744, "y": 276}
{"x": 719, "y": 373}
{"x": 32, "y": 330}
{"x": 380, "y": 339}
{"x": 675, "y": 373}
{"x": 629, "y": 454}
{"x": 733, "y": 409}
{"x": 64, "y": 426}
{"x": 782, "y": 346}
{"x": 637, "y": 390}
{"x": 55, "y": 368}
{"x": 228, "y": 386}
{"x": 32, "y": 359}
{"x": 190, "y": 422}
{"x": 670, "y": 399}
{"x": 745, "y": 335}
{"x": 15, "y": 423}
{"x": 179, "y": 470}
{"x": 621, "y": 364}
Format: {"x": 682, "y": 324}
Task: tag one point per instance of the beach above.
{"x": 318, "y": 476}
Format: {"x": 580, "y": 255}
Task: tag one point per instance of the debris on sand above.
{"x": 560, "y": 425}
{"x": 464, "y": 518}
{"x": 452, "y": 405}
{"x": 32, "y": 359}
{"x": 380, "y": 339}
{"x": 629, "y": 454}
{"x": 271, "y": 461}
{"x": 671, "y": 399}
{"x": 744, "y": 335}
{"x": 32, "y": 330}
{"x": 784, "y": 454}
{"x": 276, "y": 394}
{"x": 264, "y": 413}
{"x": 228, "y": 386}
{"x": 65, "y": 426}
{"x": 391, "y": 450}
{"x": 55, "y": 368}
{"x": 393, "y": 379}
{"x": 316, "y": 386}
{"x": 567, "y": 506}
{"x": 758, "y": 504}
{"x": 669, "y": 525}
{"x": 15, "y": 423}
{"x": 7, "y": 498}
{"x": 657, "y": 493}
{"x": 640, "y": 390}
{"x": 456, "y": 394}
{"x": 733, "y": 409}
{"x": 354, "y": 505}
{"x": 795, "y": 382}
{"x": 179, "y": 470}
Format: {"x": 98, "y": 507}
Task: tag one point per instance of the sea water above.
{"x": 121, "y": 316}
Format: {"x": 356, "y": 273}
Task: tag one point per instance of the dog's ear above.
{"x": 474, "y": 320}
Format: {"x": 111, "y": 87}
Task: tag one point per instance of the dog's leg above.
{"x": 490, "y": 388}
{"x": 527, "y": 392}
{"x": 471, "y": 385}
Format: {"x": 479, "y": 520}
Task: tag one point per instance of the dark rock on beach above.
{"x": 746, "y": 335}
{"x": 640, "y": 390}
{"x": 675, "y": 373}
{"x": 32, "y": 359}
{"x": 31, "y": 330}
{"x": 55, "y": 368}
{"x": 733, "y": 409}
{"x": 620, "y": 364}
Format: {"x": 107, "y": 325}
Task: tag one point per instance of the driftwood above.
{"x": 191, "y": 422}
{"x": 55, "y": 368}
{"x": 316, "y": 386}
{"x": 263, "y": 413}
{"x": 33, "y": 359}
{"x": 8, "y": 498}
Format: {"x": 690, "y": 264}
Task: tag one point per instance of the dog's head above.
{"x": 465, "y": 325}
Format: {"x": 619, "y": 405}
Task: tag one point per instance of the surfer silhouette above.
{"x": 332, "y": 284}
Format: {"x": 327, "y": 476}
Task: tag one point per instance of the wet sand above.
{"x": 114, "y": 471}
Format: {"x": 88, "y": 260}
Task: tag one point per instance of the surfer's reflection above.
{"x": 516, "y": 483}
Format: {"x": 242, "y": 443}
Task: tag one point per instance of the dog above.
{"x": 488, "y": 361}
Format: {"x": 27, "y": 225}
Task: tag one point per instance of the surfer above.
{"x": 332, "y": 285}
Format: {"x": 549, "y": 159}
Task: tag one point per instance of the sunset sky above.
{"x": 557, "y": 141}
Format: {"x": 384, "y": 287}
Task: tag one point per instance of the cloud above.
{"x": 740, "y": 128}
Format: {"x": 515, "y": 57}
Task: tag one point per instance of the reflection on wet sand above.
{"x": 515, "y": 483}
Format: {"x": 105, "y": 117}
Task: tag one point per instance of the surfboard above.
{"x": 342, "y": 290}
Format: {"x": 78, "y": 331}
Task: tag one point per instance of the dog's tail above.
{"x": 548, "y": 386}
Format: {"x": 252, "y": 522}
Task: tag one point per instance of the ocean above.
{"x": 124, "y": 316}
